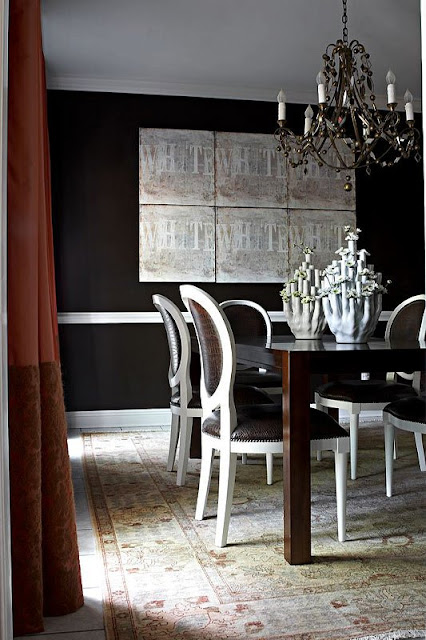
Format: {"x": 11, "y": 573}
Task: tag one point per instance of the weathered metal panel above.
{"x": 176, "y": 167}
{"x": 251, "y": 237}
{"x": 249, "y": 171}
{"x": 313, "y": 187}
{"x": 176, "y": 243}
{"x": 251, "y": 245}
{"x": 320, "y": 229}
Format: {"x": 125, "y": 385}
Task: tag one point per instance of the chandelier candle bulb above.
{"x": 281, "y": 106}
{"x": 390, "y": 79}
{"x": 321, "y": 88}
{"x": 309, "y": 114}
{"x": 409, "y": 110}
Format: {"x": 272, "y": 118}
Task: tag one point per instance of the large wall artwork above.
{"x": 225, "y": 207}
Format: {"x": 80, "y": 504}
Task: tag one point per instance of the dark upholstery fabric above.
{"x": 365, "y": 391}
{"x": 210, "y": 347}
{"x": 242, "y": 395}
{"x": 245, "y": 321}
{"x": 412, "y": 409}
{"x": 173, "y": 338}
{"x": 194, "y": 403}
{"x": 264, "y": 423}
{"x": 407, "y": 323}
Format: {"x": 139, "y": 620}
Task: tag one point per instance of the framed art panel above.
{"x": 176, "y": 243}
{"x": 249, "y": 172}
{"x": 251, "y": 245}
{"x": 176, "y": 166}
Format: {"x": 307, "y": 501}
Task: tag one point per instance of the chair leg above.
{"x": 353, "y": 434}
{"x": 389, "y": 440}
{"x": 269, "y": 468}
{"x": 420, "y": 451}
{"x": 207, "y": 455}
{"x": 174, "y": 435}
{"x": 228, "y": 465}
{"x": 341, "y": 470}
{"x": 243, "y": 458}
{"x": 395, "y": 447}
{"x": 320, "y": 407}
{"x": 184, "y": 446}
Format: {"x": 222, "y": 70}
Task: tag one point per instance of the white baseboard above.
{"x": 147, "y": 418}
{"x": 110, "y": 419}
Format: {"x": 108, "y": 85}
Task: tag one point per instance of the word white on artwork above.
{"x": 199, "y": 159}
{"x": 323, "y": 237}
{"x": 183, "y": 235}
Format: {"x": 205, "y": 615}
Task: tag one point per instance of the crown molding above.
{"x": 127, "y": 85}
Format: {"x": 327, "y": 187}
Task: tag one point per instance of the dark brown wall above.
{"x": 94, "y": 156}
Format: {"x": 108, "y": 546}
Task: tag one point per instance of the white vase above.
{"x": 352, "y": 320}
{"x": 352, "y": 294}
{"x": 306, "y": 321}
{"x": 303, "y": 310}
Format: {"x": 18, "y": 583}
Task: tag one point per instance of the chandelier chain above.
{"x": 345, "y": 22}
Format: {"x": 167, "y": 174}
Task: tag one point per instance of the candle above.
{"x": 317, "y": 278}
{"x": 309, "y": 114}
{"x": 409, "y": 110}
{"x": 321, "y": 88}
{"x": 390, "y": 79}
{"x": 281, "y": 105}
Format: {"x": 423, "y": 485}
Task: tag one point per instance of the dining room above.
{"x": 160, "y": 178}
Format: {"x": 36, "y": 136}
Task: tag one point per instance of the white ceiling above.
{"x": 243, "y": 49}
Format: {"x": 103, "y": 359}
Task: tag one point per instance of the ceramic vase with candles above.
{"x": 302, "y": 307}
{"x": 351, "y": 293}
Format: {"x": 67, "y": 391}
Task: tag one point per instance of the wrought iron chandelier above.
{"x": 348, "y": 131}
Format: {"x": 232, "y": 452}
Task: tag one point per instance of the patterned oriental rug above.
{"x": 165, "y": 579}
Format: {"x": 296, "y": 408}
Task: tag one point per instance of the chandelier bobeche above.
{"x": 348, "y": 131}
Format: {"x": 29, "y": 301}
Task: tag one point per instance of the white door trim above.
{"x": 6, "y": 627}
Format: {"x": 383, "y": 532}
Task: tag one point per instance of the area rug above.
{"x": 165, "y": 579}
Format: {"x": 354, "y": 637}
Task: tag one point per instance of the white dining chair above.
{"x": 355, "y": 396}
{"x": 232, "y": 430}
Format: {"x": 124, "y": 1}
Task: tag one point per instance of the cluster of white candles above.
{"x": 306, "y": 282}
{"x": 350, "y": 274}
{"x": 322, "y": 99}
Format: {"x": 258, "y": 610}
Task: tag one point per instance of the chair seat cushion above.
{"x": 243, "y": 394}
{"x": 263, "y": 423}
{"x": 194, "y": 403}
{"x": 365, "y": 391}
{"x": 257, "y": 378}
{"x": 410, "y": 409}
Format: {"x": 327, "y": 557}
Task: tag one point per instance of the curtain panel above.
{"x": 46, "y": 577}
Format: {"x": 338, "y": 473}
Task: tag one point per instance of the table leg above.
{"x": 296, "y": 457}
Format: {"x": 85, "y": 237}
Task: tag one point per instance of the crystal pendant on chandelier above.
{"x": 349, "y": 132}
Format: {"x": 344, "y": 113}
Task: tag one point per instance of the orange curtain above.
{"x": 45, "y": 565}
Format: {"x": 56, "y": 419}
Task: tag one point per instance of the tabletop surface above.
{"x": 328, "y": 343}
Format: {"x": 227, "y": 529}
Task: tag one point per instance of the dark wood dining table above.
{"x": 298, "y": 360}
